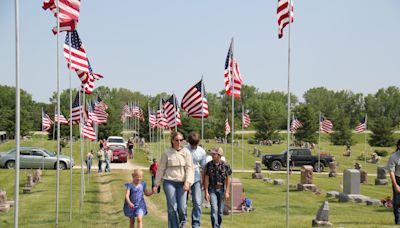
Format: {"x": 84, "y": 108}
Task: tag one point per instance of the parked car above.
{"x": 120, "y": 153}
{"x": 34, "y": 157}
{"x": 299, "y": 157}
{"x": 116, "y": 141}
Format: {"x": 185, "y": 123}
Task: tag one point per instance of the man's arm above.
{"x": 227, "y": 187}
{"x": 394, "y": 182}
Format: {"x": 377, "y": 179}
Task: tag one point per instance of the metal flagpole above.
{"x": 233, "y": 121}
{"x": 58, "y": 113}
{"x": 54, "y": 126}
{"x": 175, "y": 111}
{"x": 82, "y": 101}
{"x": 242, "y": 138}
{"x": 148, "y": 113}
{"x": 202, "y": 109}
{"x": 138, "y": 120}
{"x": 288, "y": 122}
{"x": 70, "y": 132}
{"x": 43, "y": 143}
{"x": 319, "y": 140}
{"x": 365, "y": 140}
{"x": 17, "y": 114}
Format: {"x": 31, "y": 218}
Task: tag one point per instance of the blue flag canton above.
{"x": 76, "y": 42}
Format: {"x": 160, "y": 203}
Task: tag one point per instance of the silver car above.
{"x": 34, "y": 157}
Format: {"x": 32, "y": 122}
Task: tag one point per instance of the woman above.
{"x": 176, "y": 171}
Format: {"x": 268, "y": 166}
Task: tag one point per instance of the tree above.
{"x": 342, "y": 134}
{"x": 309, "y": 117}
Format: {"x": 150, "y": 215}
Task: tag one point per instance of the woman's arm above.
{"x": 161, "y": 170}
{"x": 128, "y": 200}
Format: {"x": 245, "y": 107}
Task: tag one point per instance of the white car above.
{"x": 116, "y": 141}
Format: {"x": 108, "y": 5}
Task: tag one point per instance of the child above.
{"x": 135, "y": 206}
{"x": 153, "y": 171}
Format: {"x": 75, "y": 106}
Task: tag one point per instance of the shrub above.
{"x": 251, "y": 141}
{"x": 382, "y": 153}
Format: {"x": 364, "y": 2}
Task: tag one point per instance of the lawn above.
{"x": 105, "y": 194}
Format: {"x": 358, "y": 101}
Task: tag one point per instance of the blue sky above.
{"x": 165, "y": 46}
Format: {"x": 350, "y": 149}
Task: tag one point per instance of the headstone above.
{"x": 4, "y": 205}
{"x": 29, "y": 180}
{"x": 332, "y": 194}
{"x": 278, "y": 182}
{"x": 332, "y": 169}
{"x": 306, "y": 179}
{"x": 236, "y": 194}
{"x": 357, "y": 166}
{"x": 351, "y": 181}
{"x": 322, "y": 218}
{"x": 257, "y": 171}
{"x": 268, "y": 180}
{"x": 363, "y": 176}
{"x": 37, "y": 176}
{"x": 381, "y": 176}
{"x": 373, "y": 202}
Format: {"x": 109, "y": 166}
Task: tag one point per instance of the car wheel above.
{"x": 276, "y": 165}
{"x": 10, "y": 165}
{"x": 319, "y": 168}
{"x": 62, "y": 166}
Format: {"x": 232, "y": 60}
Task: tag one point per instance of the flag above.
{"x": 135, "y": 111}
{"x": 46, "y": 121}
{"x": 88, "y": 131}
{"x": 227, "y": 126}
{"x": 100, "y": 104}
{"x": 246, "y": 120}
{"x": 362, "y": 126}
{"x": 161, "y": 121}
{"x": 126, "y": 111}
{"x": 232, "y": 72}
{"x": 325, "y": 125}
{"x": 76, "y": 109}
{"x": 88, "y": 79}
{"x": 295, "y": 125}
{"x": 69, "y": 13}
{"x": 62, "y": 118}
{"x": 152, "y": 119}
{"x": 283, "y": 15}
{"x": 97, "y": 116}
{"x": 79, "y": 60}
{"x": 171, "y": 112}
{"x": 194, "y": 102}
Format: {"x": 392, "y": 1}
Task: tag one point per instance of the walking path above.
{"x": 116, "y": 166}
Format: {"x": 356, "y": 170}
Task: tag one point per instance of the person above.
{"x": 109, "y": 158}
{"x": 100, "y": 158}
{"x": 176, "y": 171}
{"x": 199, "y": 158}
{"x": 393, "y": 167}
{"x": 135, "y": 206}
{"x": 130, "y": 147}
{"x": 217, "y": 185}
{"x": 153, "y": 172}
{"x": 89, "y": 160}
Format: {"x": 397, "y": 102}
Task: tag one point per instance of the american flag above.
{"x": 126, "y": 111}
{"x": 232, "y": 71}
{"x": 76, "y": 109}
{"x": 362, "y": 126}
{"x": 46, "y": 121}
{"x": 171, "y": 112}
{"x": 87, "y": 84}
{"x": 161, "y": 121}
{"x": 62, "y": 118}
{"x": 295, "y": 125}
{"x": 69, "y": 13}
{"x": 283, "y": 15}
{"x": 152, "y": 119}
{"x": 227, "y": 126}
{"x": 325, "y": 125}
{"x": 88, "y": 131}
{"x": 135, "y": 111}
{"x": 97, "y": 116}
{"x": 194, "y": 102}
{"x": 100, "y": 104}
{"x": 79, "y": 60}
{"x": 246, "y": 120}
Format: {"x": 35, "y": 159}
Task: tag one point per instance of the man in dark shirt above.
{"x": 217, "y": 185}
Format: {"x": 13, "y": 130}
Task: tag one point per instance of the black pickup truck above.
{"x": 299, "y": 157}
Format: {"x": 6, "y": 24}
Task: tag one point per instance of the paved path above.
{"x": 116, "y": 166}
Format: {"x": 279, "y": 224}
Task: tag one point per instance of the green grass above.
{"x": 105, "y": 195}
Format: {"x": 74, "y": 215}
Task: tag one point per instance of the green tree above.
{"x": 309, "y": 117}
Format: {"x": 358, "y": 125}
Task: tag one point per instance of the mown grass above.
{"x": 105, "y": 195}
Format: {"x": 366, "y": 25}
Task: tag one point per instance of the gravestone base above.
{"x": 257, "y": 176}
{"x": 11, "y": 203}
{"x": 307, "y": 187}
{"x": 26, "y": 190}
{"x": 332, "y": 194}
{"x": 332, "y": 174}
{"x": 381, "y": 181}
{"x": 268, "y": 180}
{"x": 279, "y": 182}
{"x": 316, "y": 223}
{"x": 343, "y": 198}
{"x": 4, "y": 208}
{"x": 374, "y": 202}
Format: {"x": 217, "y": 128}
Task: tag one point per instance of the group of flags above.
{"x": 325, "y": 125}
{"x": 131, "y": 110}
{"x": 94, "y": 112}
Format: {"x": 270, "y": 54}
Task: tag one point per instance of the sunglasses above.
{"x": 178, "y": 140}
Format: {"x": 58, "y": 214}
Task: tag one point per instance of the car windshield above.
{"x": 117, "y": 147}
{"x": 50, "y": 153}
{"x": 115, "y": 140}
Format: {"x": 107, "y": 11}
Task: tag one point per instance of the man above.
{"x": 109, "y": 158}
{"x": 217, "y": 185}
{"x": 393, "y": 166}
{"x": 100, "y": 158}
{"x": 199, "y": 157}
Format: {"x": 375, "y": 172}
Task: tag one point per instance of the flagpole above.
{"x": 54, "y": 126}
{"x": 365, "y": 140}
{"x": 43, "y": 141}
{"x": 17, "y": 114}
{"x": 138, "y": 121}
{"x": 70, "y": 132}
{"x": 319, "y": 139}
{"x": 233, "y": 130}
{"x": 202, "y": 108}
{"x": 242, "y": 138}
{"x": 288, "y": 122}
{"x": 58, "y": 113}
{"x": 82, "y": 101}
{"x": 148, "y": 113}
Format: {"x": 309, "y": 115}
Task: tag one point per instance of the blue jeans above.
{"x": 196, "y": 199}
{"x": 217, "y": 206}
{"x": 396, "y": 203}
{"x": 108, "y": 168}
{"x": 176, "y": 203}
{"x": 100, "y": 166}
{"x": 89, "y": 165}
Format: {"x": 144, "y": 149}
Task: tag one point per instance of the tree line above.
{"x": 268, "y": 112}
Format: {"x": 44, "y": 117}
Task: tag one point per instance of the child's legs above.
{"x": 139, "y": 221}
{"x": 132, "y": 223}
